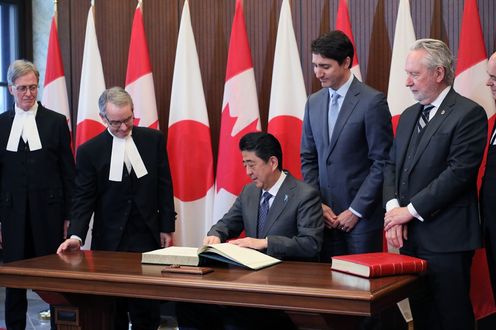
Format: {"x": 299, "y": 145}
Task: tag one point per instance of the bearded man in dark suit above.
{"x": 430, "y": 186}
{"x": 123, "y": 176}
{"x": 36, "y": 178}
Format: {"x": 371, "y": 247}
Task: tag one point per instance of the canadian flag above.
{"x": 189, "y": 144}
{"x": 89, "y": 123}
{"x": 240, "y": 115}
{"x": 288, "y": 96}
{"x": 139, "y": 77}
{"x": 343, "y": 23}
{"x": 399, "y": 96}
{"x": 55, "y": 90}
{"x": 470, "y": 81}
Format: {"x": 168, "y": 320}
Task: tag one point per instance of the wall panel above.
{"x": 373, "y": 24}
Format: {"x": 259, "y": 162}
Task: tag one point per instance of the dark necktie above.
{"x": 263, "y": 210}
{"x": 493, "y": 138}
{"x": 333, "y": 113}
{"x": 424, "y": 117}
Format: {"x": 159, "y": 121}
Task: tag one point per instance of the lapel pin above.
{"x": 443, "y": 112}
{"x": 285, "y": 198}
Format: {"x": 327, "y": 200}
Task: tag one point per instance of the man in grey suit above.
{"x": 346, "y": 138}
{"x": 430, "y": 186}
{"x": 293, "y": 226}
{"x": 281, "y": 217}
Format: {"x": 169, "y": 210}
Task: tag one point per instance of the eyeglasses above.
{"x": 24, "y": 88}
{"x": 118, "y": 123}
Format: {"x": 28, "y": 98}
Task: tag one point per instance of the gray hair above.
{"x": 115, "y": 95}
{"x": 19, "y": 68}
{"x": 438, "y": 54}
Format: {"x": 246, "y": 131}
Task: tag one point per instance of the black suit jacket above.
{"x": 294, "y": 225}
{"x": 41, "y": 179}
{"x": 442, "y": 181}
{"x": 112, "y": 201}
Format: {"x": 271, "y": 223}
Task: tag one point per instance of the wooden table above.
{"x": 86, "y": 278}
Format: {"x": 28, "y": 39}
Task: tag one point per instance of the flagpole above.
{"x": 92, "y": 5}
{"x": 55, "y": 15}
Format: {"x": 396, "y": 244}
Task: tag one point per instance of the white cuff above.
{"x": 78, "y": 238}
{"x": 391, "y": 204}
{"x": 414, "y": 212}
{"x": 355, "y": 212}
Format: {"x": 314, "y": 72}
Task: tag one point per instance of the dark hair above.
{"x": 264, "y": 145}
{"x": 334, "y": 45}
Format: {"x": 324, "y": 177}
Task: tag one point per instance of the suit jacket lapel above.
{"x": 283, "y": 196}
{"x": 40, "y": 115}
{"x": 441, "y": 114}
{"x": 408, "y": 123}
{"x": 349, "y": 103}
{"x": 252, "y": 205}
{"x": 324, "y": 114}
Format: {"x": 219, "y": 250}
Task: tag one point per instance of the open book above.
{"x": 225, "y": 252}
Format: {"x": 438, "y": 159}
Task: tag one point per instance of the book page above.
{"x": 178, "y": 250}
{"x": 248, "y": 257}
{"x": 172, "y": 255}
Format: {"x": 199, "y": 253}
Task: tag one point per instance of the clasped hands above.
{"x": 345, "y": 221}
{"x": 395, "y": 221}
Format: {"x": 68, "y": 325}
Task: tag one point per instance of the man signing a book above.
{"x": 280, "y": 215}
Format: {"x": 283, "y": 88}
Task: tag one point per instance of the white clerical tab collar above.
{"x": 123, "y": 148}
{"x": 24, "y": 125}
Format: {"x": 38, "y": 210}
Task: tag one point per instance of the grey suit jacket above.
{"x": 294, "y": 225}
{"x": 441, "y": 182}
{"x": 348, "y": 172}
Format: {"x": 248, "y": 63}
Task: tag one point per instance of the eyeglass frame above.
{"x": 24, "y": 88}
{"x": 118, "y": 123}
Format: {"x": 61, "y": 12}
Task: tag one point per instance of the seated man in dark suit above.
{"x": 281, "y": 217}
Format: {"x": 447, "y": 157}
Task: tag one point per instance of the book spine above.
{"x": 400, "y": 268}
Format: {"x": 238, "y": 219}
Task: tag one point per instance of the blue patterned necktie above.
{"x": 263, "y": 210}
{"x": 333, "y": 113}
{"x": 424, "y": 117}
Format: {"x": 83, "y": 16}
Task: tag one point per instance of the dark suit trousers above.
{"x": 338, "y": 242}
{"x": 16, "y": 304}
{"x": 488, "y": 206}
{"x": 144, "y": 313}
{"x": 445, "y": 302}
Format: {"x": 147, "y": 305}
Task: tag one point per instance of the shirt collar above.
{"x": 275, "y": 188}
{"x": 440, "y": 98}
{"x": 343, "y": 89}
{"x": 33, "y": 109}
{"x": 111, "y": 134}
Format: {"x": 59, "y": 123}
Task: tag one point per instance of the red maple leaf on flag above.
{"x": 232, "y": 161}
